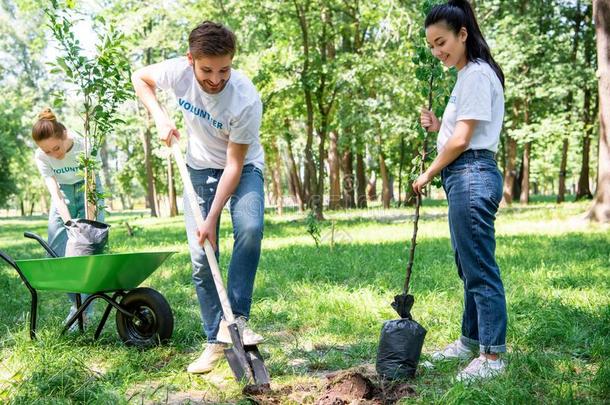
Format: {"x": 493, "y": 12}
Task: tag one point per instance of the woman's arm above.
{"x": 57, "y": 199}
{"x": 455, "y": 146}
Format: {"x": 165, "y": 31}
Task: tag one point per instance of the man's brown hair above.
{"x": 211, "y": 39}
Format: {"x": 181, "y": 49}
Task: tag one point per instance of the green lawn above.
{"x": 321, "y": 310}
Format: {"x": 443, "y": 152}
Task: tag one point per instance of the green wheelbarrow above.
{"x": 143, "y": 316}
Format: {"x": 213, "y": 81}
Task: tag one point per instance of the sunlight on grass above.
{"x": 321, "y": 309}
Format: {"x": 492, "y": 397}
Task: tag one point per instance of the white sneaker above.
{"x": 210, "y": 357}
{"x": 249, "y": 337}
{"x": 454, "y": 350}
{"x": 481, "y": 368}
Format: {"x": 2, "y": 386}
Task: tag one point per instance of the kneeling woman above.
{"x": 57, "y": 160}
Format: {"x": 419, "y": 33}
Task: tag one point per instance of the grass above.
{"x": 321, "y": 310}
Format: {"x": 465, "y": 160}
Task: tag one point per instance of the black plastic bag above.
{"x": 86, "y": 237}
{"x": 400, "y": 345}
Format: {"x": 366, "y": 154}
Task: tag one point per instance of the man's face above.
{"x": 211, "y": 72}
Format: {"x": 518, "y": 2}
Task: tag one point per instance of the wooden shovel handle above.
{"x": 189, "y": 193}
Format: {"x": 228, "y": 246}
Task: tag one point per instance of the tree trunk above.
{"x": 360, "y": 181}
{"x": 525, "y": 181}
{"x": 276, "y": 178}
{"x": 584, "y": 191}
{"x": 509, "y": 174}
{"x": 348, "y": 179}
{"x": 309, "y": 180}
{"x": 517, "y": 183}
{"x": 600, "y": 210}
{"x": 561, "y": 193}
{"x": 106, "y": 171}
{"x": 385, "y": 178}
{"x": 400, "y": 166}
{"x": 22, "y": 207}
{"x": 295, "y": 179}
{"x": 334, "y": 165}
{"x": 171, "y": 187}
{"x": 578, "y": 17}
{"x": 371, "y": 187}
{"x": 589, "y": 111}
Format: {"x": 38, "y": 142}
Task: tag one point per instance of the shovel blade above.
{"x": 237, "y": 366}
{"x": 259, "y": 371}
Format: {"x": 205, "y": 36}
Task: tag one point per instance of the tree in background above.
{"x": 600, "y": 211}
{"x": 102, "y": 81}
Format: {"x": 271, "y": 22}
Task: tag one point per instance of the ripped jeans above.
{"x": 247, "y": 209}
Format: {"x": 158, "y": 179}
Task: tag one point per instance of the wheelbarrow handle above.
{"x": 44, "y": 244}
{"x": 189, "y": 192}
{"x": 8, "y": 259}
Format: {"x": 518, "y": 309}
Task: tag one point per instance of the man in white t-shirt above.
{"x": 222, "y": 111}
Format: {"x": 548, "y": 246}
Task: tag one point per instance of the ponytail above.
{"x": 47, "y": 126}
{"x": 457, "y": 14}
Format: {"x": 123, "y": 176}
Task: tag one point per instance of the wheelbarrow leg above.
{"x": 79, "y": 312}
{"x": 33, "y": 314}
{"x": 81, "y": 327}
{"x": 98, "y": 331}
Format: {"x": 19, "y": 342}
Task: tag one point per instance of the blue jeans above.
{"x": 473, "y": 186}
{"x": 74, "y": 197}
{"x": 247, "y": 209}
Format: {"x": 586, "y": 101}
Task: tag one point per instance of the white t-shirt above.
{"x": 66, "y": 170}
{"x": 477, "y": 95}
{"x": 212, "y": 120}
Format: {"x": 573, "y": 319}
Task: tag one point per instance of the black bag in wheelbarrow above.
{"x": 86, "y": 237}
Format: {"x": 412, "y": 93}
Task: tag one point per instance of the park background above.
{"x": 341, "y": 84}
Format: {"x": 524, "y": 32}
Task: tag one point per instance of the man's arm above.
{"x": 58, "y": 201}
{"x": 144, "y": 85}
{"x": 236, "y": 155}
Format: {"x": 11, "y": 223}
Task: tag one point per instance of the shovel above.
{"x": 246, "y": 362}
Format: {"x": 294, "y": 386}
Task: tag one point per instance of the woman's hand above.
{"x": 207, "y": 231}
{"x": 421, "y": 182}
{"x": 429, "y": 121}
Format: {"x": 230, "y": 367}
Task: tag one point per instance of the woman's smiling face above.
{"x": 446, "y": 46}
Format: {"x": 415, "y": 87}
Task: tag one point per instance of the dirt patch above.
{"x": 347, "y": 387}
{"x": 362, "y": 387}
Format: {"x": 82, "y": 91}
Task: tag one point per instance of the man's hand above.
{"x": 167, "y": 131}
{"x": 207, "y": 231}
{"x": 421, "y": 182}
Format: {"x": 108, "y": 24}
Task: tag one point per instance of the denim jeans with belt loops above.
{"x": 247, "y": 210}
{"x": 74, "y": 197}
{"x": 473, "y": 185}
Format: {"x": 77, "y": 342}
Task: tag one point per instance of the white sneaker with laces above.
{"x": 481, "y": 368}
{"x": 249, "y": 337}
{"x": 210, "y": 357}
{"x": 454, "y": 350}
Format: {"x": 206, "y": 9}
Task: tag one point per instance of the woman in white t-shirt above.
{"x": 57, "y": 161}
{"x": 467, "y": 142}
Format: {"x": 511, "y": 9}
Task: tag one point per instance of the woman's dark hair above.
{"x": 457, "y": 14}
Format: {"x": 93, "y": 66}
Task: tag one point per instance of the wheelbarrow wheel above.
{"x": 152, "y": 323}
